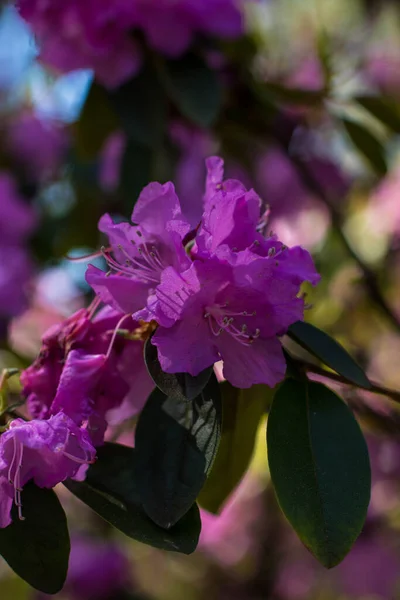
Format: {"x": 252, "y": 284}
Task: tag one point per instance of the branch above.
{"x": 374, "y": 389}
{"x": 369, "y": 277}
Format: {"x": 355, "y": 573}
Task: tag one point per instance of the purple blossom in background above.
{"x": 17, "y": 222}
{"x": 84, "y": 371}
{"x": 39, "y": 145}
{"x": 98, "y": 569}
{"x": 47, "y": 451}
{"x": 139, "y": 253}
{"x": 110, "y": 161}
{"x": 97, "y": 35}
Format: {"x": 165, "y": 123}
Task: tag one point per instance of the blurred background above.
{"x": 302, "y": 100}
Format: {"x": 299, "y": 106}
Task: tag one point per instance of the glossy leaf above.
{"x": 328, "y": 351}
{"x": 96, "y": 122}
{"x": 136, "y": 172}
{"x": 296, "y": 96}
{"x": 181, "y": 386}
{"x": 367, "y": 144}
{"x": 37, "y": 548}
{"x": 193, "y": 87}
{"x": 242, "y": 411}
{"x": 141, "y": 107}
{"x": 382, "y": 109}
{"x": 176, "y": 443}
{"x": 319, "y": 468}
{"x": 110, "y": 490}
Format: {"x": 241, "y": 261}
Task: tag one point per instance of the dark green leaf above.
{"x": 110, "y": 490}
{"x": 329, "y": 351}
{"x": 295, "y": 96}
{"x": 319, "y": 468}
{"x": 193, "y": 87}
{"x": 96, "y": 122}
{"x": 182, "y": 386}
{"x": 37, "y": 549}
{"x": 242, "y": 411}
{"x": 176, "y": 443}
{"x": 136, "y": 172}
{"x": 141, "y": 106}
{"x": 367, "y": 144}
{"x": 382, "y": 109}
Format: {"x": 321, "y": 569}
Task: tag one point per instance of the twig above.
{"x": 375, "y": 387}
{"x": 369, "y": 277}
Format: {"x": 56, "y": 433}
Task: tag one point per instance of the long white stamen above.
{"x": 114, "y": 335}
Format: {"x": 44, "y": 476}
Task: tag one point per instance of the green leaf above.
{"x": 329, "y": 351}
{"x": 242, "y": 411}
{"x": 176, "y": 443}
{"x": 110, "y": 490}
{"x": 383, "y": 109}
{"x": 182, "y": 386}
{"x": 193, "y": 87}
{"x": 136, "y": 172}
{"x": 319, "y": 467}
{"x": 37, "y": 548}
{"x": 96, "y": 122}
{"x": 367, "y": 144}
{"x": 296, "y": 96}
{"x": 141, "y": 107}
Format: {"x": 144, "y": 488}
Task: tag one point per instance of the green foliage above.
{"x": 111, "y": 491}
{"x": 193, "y": 87}
{"x": 319, "y": 468}
{"x": 136, "y": 171}
{"x": 328, "y": 351}
{"x": 367, "y": 145}
{"x": 37, "y": 548}
{"x": 96, "y": 122}
{"x": 182, "y": 386}
{"x": 141, "y": 107}
{"x": 242, "y": 411}
{"x": 383, "y": 109}
{"x": 176, "y": 442}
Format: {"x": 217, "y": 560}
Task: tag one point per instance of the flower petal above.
{"x": 259, "y": 362}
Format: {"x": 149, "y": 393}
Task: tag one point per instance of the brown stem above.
{"x": 369, "y": 277}
{"x": 374, "y": 389}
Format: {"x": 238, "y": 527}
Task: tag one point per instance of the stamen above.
{"x": 80, "y": 461}
{"x": 114, "y": 335}
{"x": 85, "y": 257}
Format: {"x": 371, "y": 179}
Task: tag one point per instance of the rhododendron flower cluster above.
{"x": 222, "y": 291}
{"x": 84, "y": 370}
{"x": 228, "y": 294}
{"x": 98, "y": 34}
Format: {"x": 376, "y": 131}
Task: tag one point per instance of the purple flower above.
{"x": 95, "y": 35}
{"x": 90, "y": 35}
{"x": 16, "y": 269}
{"x": 18, "y": 220}
{"x": 231, "y": 311}
{"x": 84, "y": 370}
{"x": 47, "y": 451}
{"x": 98, "y": 569}
{"x": 139, "y": 253}
{"x": 38, "y": 144}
